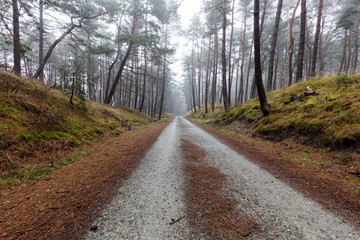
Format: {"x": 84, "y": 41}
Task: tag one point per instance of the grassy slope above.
{"x": 334, "y": 115}
{"x": 37, "y": 122}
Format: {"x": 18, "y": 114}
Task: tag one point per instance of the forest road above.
{"x": 154, "y": 196}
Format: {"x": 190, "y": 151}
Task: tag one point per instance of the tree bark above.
{"x": 273, "y": 46}
{"x": 207, "y": 76}
{"x": 16, "y": 39}
{"x": 41, "y": 38}
{"x": 258, "y": 78}
{"x": 317, "y": 36}
{"x": 164, "y": 76}
{"x": 241, "y": 94}
{"x": 291, "y": 43}
{"x": 145, "y": 69}
{"x": 223, "y": 59}
{"x": 300, "y": 59}
{"x": 230, "y": 51}
{"x": 356, "y": 50}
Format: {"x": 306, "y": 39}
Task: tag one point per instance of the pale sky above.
{"x": 187, "y": 10}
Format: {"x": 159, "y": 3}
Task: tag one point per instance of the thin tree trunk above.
{"x": 273, "y": 46}
{"x": 145, "y": 69}
{"x": 241, "y": 95}
{"x": 300, "y": 58}
{"x": 199, "y": 77}
{"x": 291, "y": 43}
{"x": 164, "y": 76}
{"x": 356, "y": 50}
{"x": 258, "y": 78}
{"x": 223, "y": 59}
{"x": 207, "y": 76}
{"x": 349, "y": 53}
{"x": 321, "y": 55}
{"x": 230, "y": 49}
{"x": 51, "y": 49}
{"x": 310, "y": 52}
{"x": 317, "y": 36}
{"x": 343, "y": 64}
{"x": 216, "y": 61}
{"x": 41, "y": 38}
{"x": 248, "y": 72}
{"x": 16, "y": 39}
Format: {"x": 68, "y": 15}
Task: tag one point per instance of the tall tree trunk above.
{"x": 145, "y": 69}
{"x": 207, "y": 80}
{"x": 230, "y": 50}
{"x": 216, "y": 61}
{"x": 349, "y": 53}
{"x": 307, "y": 71}
{"x": 41, "y": 38}
{"x": 199, "y": 77}
{"x": 273, "y": 46}
{"x": 118, "y": 75}
{"x": 241, "y": 95}
{"x": 356, "y": 50}
{"x": 344, "y": 58}
{"x": 164, "y": 76}
{"x": 300, "y": 57}
{"x": 136, "y": 79}
{"x": 276, "y": 67}
{"x": 317, "y": 36}
{"x": 258, "y": 78}
{"x": 321, "y": 55}
{"x": 193, "y": 81}
{"x": 16, "y": 39}
{"x": 249, "y": 67}
{"x": 223, "y": 59}
{"x": 109, "y": 97}
{"x": 291, "y": 43}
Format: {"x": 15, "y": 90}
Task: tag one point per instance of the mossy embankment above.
{"x": 321, "y": 132}
{"x": 330, "y": 119}
{"x": 39, "y": 127}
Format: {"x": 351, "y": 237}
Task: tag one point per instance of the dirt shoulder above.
{"x": 332, "y": 193}
{"x": 64, "y": 203}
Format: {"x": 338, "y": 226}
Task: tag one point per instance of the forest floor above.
{"x": 179, "y": 181}
{"x": 64, "y": 202}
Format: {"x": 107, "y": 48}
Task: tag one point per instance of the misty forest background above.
{"x": 122, "y": 52}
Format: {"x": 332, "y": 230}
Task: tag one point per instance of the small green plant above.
{"x": 345, "y": 79}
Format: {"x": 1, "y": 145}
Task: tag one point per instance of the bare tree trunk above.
{"x": 291, "y": 43}
{"x": 317, "y": 36}
{"x": 230, "y": 49}
{"x": 216, "y": 61}
{"x": 258, "y": 78}
{"x": 241, "y": 95}
{"x": 300, "y": 58}
{"x": 16, "y": 39}
{"x": 273, "y": 47}
{"x": 321, "y": 55}
{"x": 145, "y": 69}
{"x": 223, "y": 59}
{"x": 356, "y": 51}
{"x": 207, "y": 76}
{"x": 248, "y": 72}
{"x": 193, "y": 81}
{"x": 164, "y": 76}
{"x": 41, "y": 38}
{"x": 349, "y": 55}
{"x": 307, "y": 71}
{"x": 51, "y": 49}
{"x": 343, "y": 64}
{"x": 199, "y": 77}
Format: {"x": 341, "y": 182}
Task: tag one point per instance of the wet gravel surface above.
{"x": 154, "y": 196}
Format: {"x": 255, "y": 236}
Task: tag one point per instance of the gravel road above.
{"x": 154, "y": 196}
